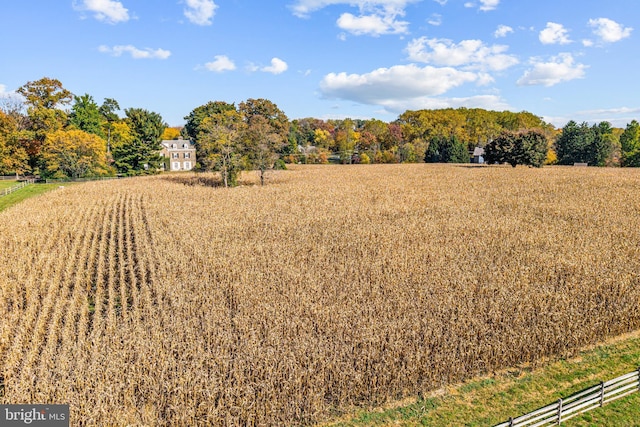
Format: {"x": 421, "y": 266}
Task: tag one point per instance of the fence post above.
{"x": 559, "y": 411}
{"x": 510, "y": 421}
{"x": 601, "y": 393}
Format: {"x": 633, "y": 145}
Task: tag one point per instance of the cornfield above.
{"x": 160, "y": 301}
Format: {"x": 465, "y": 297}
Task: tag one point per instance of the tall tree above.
{"x": 142, "y": 155}
{"x": 193, "y": 125}
{"x": 85, "y": 115}
{"x": 45, "y": 93}
{"x": 266, "y": 133}
{"x": 43, "y": 97}
{"x": 262, "y": 144}
{"x": 195, "y": 117}
{"x": 630, "y": 144}
{"x": 13, "y": 155}
{"x": 447, "y": 150}
{"x": 108, "y": 111}
{"x": 74, "y": 154}
{"x": 277, "y": 119}
{"x": 527, "y": 147}
{"x": 584, "y": 144}
{"x": 604, "y": 142}
{"x": 220, "y": 138}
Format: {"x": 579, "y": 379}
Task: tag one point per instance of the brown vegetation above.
{"x": 147, "y": 301}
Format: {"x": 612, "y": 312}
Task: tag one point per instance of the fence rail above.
{"x": 576, "y": 404}
{"x": 16, "y": 187}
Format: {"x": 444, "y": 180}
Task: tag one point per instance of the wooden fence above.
{"x": 16, "y": 187}
{"x": 583, "y": 401}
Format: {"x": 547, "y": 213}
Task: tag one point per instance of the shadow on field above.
{"x": 204, "y": 180}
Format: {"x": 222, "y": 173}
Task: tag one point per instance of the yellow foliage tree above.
{"x": 171, "y": 133}
{"x": 74, "y": 154}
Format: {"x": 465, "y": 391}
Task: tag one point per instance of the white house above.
{"x": 181, "y": 154}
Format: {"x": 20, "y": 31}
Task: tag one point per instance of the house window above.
{"x": 187, "y": 155}
{"x": 187, "y": 166}
{"x": 175, "y": 166}
{"x": 185, "y": 145}
{"x": 174, "y": 145}
{"x": 175, "y": 155}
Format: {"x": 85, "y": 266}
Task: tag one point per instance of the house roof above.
{"x": 478, "y": 151}
{"x": 179, "y": 142}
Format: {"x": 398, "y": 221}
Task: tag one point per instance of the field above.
{"x": 161, "y": 301}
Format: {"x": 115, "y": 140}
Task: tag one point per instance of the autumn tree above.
{"x": 45, "y": 93}
{"x": 13, "y": 155}
{"x": 43, "y": 97}
{"x": 171, "y": 133}
{"x": 266, "y": 133}
{"x": 74, "y": 154}
{"x": 192, "y": 128}
{"x": 220, "y": 137}
{"x": 630, "y": 144}
{"x": 262, "y": 144}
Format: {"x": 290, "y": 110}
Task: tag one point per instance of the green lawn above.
{"x": 24, "y": 193}
{"x": 493, "y": 399}
{"x": 7, "y": 184}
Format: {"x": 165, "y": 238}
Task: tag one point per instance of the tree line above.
{"x": 50, "y": 132}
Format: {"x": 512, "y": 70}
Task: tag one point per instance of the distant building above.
{"x": 180, "y": 155}
{"x": 478, "y": 155}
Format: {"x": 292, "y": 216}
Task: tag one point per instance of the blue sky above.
{"x": 559, "y": 59}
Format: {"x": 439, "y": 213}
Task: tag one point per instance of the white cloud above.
{"x": 609, "y": 31}
{"x": 303, "y": 8}
{"x": 487, "y": 5}
{"x": 487, "y": 102}
{"x": 608, "y": 111}
{"x": 473, "y": 54}
{"x": 587, "y": 43}
{"x": 561, "y": 68}
{"x": 200, "y": 12}
{"x": 554, "y": 34}
{"x": 435, "y": 20}
{"x": 398, "y": 83}
{"x": 278, "y": 66}
{"x": 374, "y": 25}
{"x": 136, "y": 53}
{"x": 441, "y": 2}
{"x": 221, "y": 64}
{"x": 376, "y": 17}
{"x": 502, "y": 31}
{"x": 109, "y": 11}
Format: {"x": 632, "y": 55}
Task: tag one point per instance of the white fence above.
{"x": 583, "y": 401}
{"x": 16, "y": 187}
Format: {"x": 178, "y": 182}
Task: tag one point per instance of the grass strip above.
{"x": 24, "y": 193}
{"x": 493, "y": 399}
{"x": 7, "y": 184}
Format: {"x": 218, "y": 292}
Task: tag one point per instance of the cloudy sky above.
{"x": 559, "y": 59}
